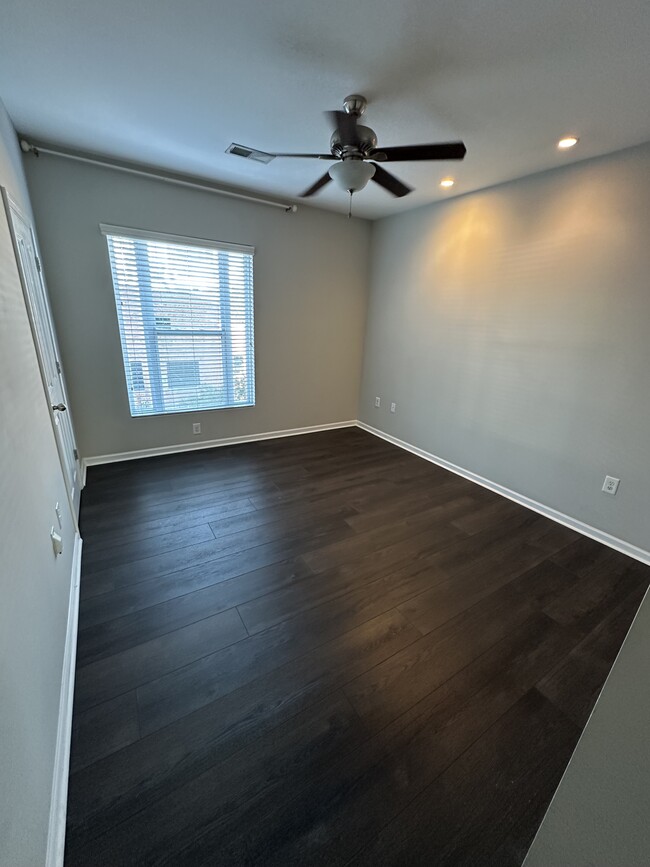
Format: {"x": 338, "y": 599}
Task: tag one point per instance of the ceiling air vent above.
{"x": 249, "y": 153}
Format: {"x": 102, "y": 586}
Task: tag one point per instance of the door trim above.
{"x": 10, "y": 206}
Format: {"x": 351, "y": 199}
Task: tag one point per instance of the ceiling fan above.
{"x": 355, "y": 148}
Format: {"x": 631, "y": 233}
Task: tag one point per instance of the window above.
{"x": 185, "y": 313}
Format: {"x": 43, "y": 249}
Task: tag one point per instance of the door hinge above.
{"x": 58, "y": 367}
{"x": 38, "y": 264}
{"x": 76, "y": 454}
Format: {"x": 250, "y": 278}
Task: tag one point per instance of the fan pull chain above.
{"x": 350, "y": 208}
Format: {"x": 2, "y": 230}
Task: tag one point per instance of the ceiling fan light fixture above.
{"x": 351, "y": 175}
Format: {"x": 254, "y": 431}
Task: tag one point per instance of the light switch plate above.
{"x": 57, "y": 542}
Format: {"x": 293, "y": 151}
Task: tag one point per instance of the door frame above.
{"x": 11, "y": 205}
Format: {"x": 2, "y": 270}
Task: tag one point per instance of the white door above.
{"x": 46, "y": 348}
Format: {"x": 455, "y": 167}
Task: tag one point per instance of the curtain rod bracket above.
{"x": 28, "y": 148}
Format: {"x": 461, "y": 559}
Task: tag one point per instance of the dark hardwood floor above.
{"x": 324, "y": 650}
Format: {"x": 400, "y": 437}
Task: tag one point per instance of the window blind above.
{"x": 185, "y": 314}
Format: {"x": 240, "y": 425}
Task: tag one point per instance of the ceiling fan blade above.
{"x": 308, "y": 156}
{"x": 390, "y": 182}
{"x": 346, "y": 126}
{"x": 453, "y": 150}
{"x": 317, "y": 186}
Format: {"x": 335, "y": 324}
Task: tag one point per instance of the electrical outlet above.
{"x": 196, "y": 427}
{"x": 377, "y": 401}
{"x": 393, "y": 407}
{"x": 610, "y": 485}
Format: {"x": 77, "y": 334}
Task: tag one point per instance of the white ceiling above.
{"x": 171, "y": 83}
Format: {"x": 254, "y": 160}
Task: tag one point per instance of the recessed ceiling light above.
{"x": 567, "y": 142}
{"x": 447, "y": 182}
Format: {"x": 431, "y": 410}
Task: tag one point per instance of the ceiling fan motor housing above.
{"x": 366, "y": 143}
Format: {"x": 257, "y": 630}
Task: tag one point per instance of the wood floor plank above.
{"x": 341, "y": 463}
{"x": 371, "y": 660}
{"x": 130, "y": 668}
{"x": 576, "y": 682}
{"x": 364, "y": 489}
{"x": 131, "y": 551}
{"x": 551, "y": 537}
{"x": 183, "y": 487}
{"x": 357, "y": 546}
{"x": 353, "y": 594}
{"x": 333, "y": 483}
{"x": 582, "y": 555}
{"x": 474, "y": 812}
{"x": 126, "y": 600}
{"x": 168, "y": 698}
{"x": 103, "y": 729}
{"x": 488, "y": 516}
{"x": 496, "y": 542}
{"x": 146, "y": 530}
{"x": 119, "y": 633}
{"x": 404, "y": 557}
{"x": 468, "y": 586}
{"x": 344, "y": 806}
{"x": 390, "y": 688}
{"x": 115, "y": 787}
{"x": 407, "y": 508}
{"x": 100, "y": 537}
{"x": 139, "y": 511}
{"x": 217, "y": 796}
{"x": 186, "y": 480}
{"x": 586, "y": 601}
{"x": 289, "y": 539}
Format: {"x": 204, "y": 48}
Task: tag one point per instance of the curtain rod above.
{"x": 28, "y": 148}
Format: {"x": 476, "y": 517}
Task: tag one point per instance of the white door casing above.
{"x": 40, "y": 319}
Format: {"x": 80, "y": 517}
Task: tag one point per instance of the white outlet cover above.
{"x": 196, "y": 428}
{"x": 377, "y": 401}
{"x": 393, "y": 407}
{"x": 610, "y": 485}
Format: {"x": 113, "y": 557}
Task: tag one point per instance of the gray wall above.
{"x": 511, "y": 328}
{"x": 310, "y": 303}
{"x": 599, "y": 815}
{"x": 34, "y": 585}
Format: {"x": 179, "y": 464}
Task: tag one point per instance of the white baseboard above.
{"x": 547, "y": 511}
{"x": 211, "y": 444}
{"x": 573, "y": 523}
{"x": 58, "y": 806}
